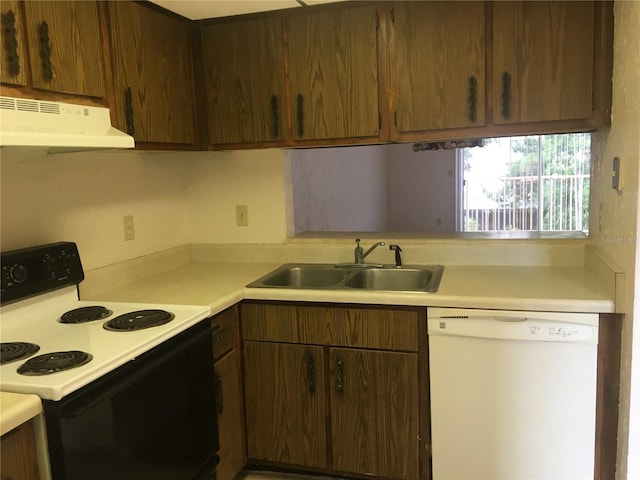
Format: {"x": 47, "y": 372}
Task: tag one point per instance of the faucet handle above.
{"x": 358, "y": 241}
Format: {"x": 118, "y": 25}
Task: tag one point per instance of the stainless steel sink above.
{"x": 397, "y": 279}
{"x": 305, "y": 276}
{"x": 413, "y": 278}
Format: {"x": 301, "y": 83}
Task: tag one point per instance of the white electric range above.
{"x": 37, "y": 321}
{"x": 35, "y": 326}
{"x": 108, "y": 373}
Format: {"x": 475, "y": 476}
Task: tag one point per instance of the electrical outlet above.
{"x": 127, "y": 224}
{"x": 242, "y": 215}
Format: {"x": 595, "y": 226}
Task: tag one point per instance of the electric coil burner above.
{"x": 139, "y": 320}
{"x": 12, "y": 351}
{"x": 54, "y": 362}
{"x": 85, "y": 314}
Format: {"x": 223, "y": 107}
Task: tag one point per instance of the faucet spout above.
{"x": 360, "y": 254}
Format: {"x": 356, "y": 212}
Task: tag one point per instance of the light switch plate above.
{"x": 242, "y": 215}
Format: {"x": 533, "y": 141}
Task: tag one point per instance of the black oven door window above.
{"x": 154, "y": 418}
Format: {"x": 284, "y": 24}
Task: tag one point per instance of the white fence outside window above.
{"x": 533, "y": 183}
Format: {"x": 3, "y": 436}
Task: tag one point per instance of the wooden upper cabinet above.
{"x": 65, "y": 47}
{"x": 13, "y": 51}
{"x": 439, "y": 57}
{"x": 152, "y": 74}
{"x": 244, "y": 79}
{"x": 333, "y": 71}
{"x": 543, "y": 57}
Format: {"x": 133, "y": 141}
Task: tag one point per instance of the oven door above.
{"x": 153, "y": 418}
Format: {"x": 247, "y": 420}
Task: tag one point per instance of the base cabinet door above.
{"x": 374, "y": 412}
{"x": 229, "y": 408}
{"x": 285, "y": 403}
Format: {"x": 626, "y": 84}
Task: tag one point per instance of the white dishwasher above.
{"x": 513, "y": 394}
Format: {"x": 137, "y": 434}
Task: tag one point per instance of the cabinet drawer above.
{"x": 375, "y": 327}
{"x": 225, "y": 337}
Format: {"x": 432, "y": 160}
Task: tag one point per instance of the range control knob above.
{"x": 18, "y": 273}
{"x": 49, "y": 265}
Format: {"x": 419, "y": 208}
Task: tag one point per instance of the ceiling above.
{"x": 199, "y": 9}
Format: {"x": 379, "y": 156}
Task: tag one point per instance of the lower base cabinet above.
{"x": 229, "y": 404}
{"x": 18, "y": 452}
{"x": 334, "y": 389}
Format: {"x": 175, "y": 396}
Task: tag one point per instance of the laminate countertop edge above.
{"x": 17, "y": 408}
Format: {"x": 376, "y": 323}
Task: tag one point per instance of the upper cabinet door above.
{"x": 12, "y": 61}
{"x": 65, "y": 47}
{"x": 333, "y": 68}
{"x": 244, "y": 79}
{"x": 543, "y": 61}
{"x": 153, "y": 74}
{"x": 439, "y": 57}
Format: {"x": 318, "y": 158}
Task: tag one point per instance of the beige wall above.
{"x": 82, "y": 197}
{"x": 614, "y": 224}
{"x": 215, "y": 182}
{"x": 175, "y": 199}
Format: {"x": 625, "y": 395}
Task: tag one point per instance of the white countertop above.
{"x": 17, "y": 408}
{"x": 220, "y": 285}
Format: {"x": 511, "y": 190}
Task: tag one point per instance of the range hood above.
{"x": 57, "y": 127}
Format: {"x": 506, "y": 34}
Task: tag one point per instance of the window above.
{"x": 532, "y": 183}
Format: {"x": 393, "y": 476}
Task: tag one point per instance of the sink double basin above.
{"x": 413, "y": 278}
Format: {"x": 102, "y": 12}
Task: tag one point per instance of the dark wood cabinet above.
{"x": 53, "y": 46}
{"x": 543, "y": 61}
{"x": 439, "y": 58}
{"x": 335, "y": 388}
{"x": 285, "y": 403}
{"x": 18, "y": 453}
{"x": 152, "y": 74}
{"x": 13, "y": 68}
{"x": 333, "y": 73}
{"x": 374, "y": 412}
{"x": 229, "y": 394}
{"x": 244, "y": 81}
{"x": 65, "y": 47}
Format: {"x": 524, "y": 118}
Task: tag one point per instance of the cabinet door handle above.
{"x": 219, "y": 399}
{"x": 339, "y": 376}
{"x": 311, "y": 371}
{"x": 11, "y": 42}
{"x": 275, "y": 117}
{"x": 128, "y": 111}
{"x": 45, "y": 51}
{"x": 300, "y": 116}
{"x": 473, "y": 99}
{"x": 506, "y": 95}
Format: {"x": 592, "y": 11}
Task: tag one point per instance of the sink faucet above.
{"x": 360, "y": 254}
